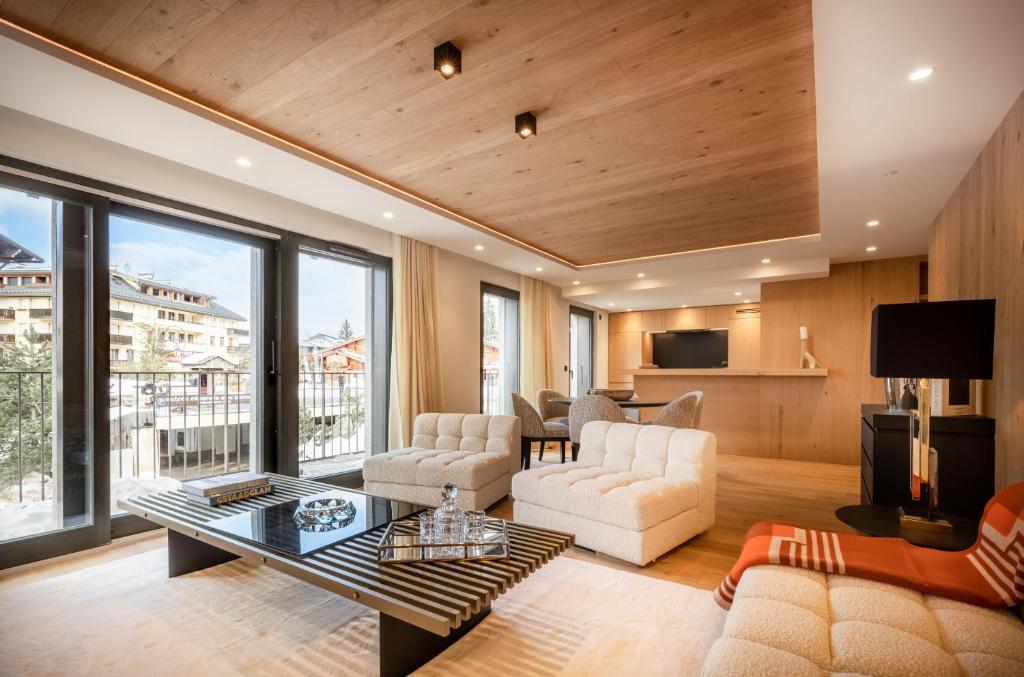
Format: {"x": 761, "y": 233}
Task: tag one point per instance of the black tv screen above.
{"x": 700, "y": 349}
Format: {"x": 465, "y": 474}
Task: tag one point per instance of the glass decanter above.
{"x": 449, "y": 524}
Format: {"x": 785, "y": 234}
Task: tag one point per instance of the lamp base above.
{"x": 934, "y": 522}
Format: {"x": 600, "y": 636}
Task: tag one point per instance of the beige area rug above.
{"x": 125, "y": 617}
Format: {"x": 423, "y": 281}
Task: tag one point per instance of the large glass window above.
{"x": 336, "y": 363}
{"x": 499, "y": 348}
{"x": 581, "y": 351}
{"x": 46, "y": 461}
{"x": 185, "y": 310}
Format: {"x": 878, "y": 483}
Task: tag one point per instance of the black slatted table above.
{"x": 424, "y": 607}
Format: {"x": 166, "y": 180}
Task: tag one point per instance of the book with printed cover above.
{"x": 232, "y": 496}
{"x": 222, "y": 484}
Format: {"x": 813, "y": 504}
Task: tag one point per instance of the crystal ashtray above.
{"x": 401, "y": 542}
{"x": 325, "y": 514}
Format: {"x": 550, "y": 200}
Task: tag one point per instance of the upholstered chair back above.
{"x": 682, "y": 412}
{"x": 548, "y": 409}
{"x": 470, "y": 432}
{"x": 592, "y": 408}
{"x": 680, "y": 454}
{"x": 533, "y": 426}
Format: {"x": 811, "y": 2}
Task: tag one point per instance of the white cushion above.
{"x": 807, "y": 621}
{"x": 620, "y": 497}
{"x": 469, "y": 450}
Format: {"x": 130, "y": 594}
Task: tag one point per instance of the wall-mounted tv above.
{"x": 700, "y": 349}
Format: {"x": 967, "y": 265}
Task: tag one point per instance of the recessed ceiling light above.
{"x": 576, "y": 282}
{"x": 388, "y": 215}
{"x": 639, "y": 274}
{"x": 479, "y": 247}
{"x": 243, "y": 162}
{"x": 746, "y": 300}
{"x": 539, "y": 269}
{"x": 611, "y": 304}
{"x": 873, "y": 222}
{"x": 921, "y": 73}
{"x": 685, "y": 305}
{"x": 737, "y": 293}
{"x": 872, "y": 248}
{"x": 629, "y": 310}
{"x": 766, "y": 260}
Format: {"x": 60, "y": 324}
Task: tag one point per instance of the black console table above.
{"x": 966, "y": 450}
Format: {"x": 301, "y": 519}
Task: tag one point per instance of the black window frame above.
{"x": 280, "y": 288}
{"x": 589, "y": 314}
{"x": 512, "y": 295}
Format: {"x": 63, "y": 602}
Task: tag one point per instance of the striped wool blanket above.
{"x": 990, "y": 573}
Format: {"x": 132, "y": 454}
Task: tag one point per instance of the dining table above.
{"x": 625, "y": 404}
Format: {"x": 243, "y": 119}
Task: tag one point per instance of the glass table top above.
{"x": 275, "y": 526}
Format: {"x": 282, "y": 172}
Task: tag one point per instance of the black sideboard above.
{"x": 966, "y": 450}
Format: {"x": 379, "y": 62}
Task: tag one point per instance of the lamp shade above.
{"x": 942, "y": 339}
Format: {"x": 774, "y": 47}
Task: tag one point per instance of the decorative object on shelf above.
{"x": 956, "y": 340}
{"x": 908, "y": 401}
{"x": 447, "y": 60}
{"x": 894, "y": 392}
{"x": 807, "y": 361}
{"x": 526, "y": 125}
{"x": 325, "y": 514}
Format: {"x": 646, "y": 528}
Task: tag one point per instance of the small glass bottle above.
{"x": 449, "y": 524}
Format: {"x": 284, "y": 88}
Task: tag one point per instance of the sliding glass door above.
{"x": 342, "y": 351}
{"x": 499, "y": 348}
{"x": 581, "y": 351}
{"x": 50, "y": 465}
{"x": 186, "y": 397}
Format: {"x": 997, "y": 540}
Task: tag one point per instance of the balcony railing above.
{"x": 491, "y": 394}
{"x": 122, "y": 315}
{"x": 26, "y": 429}
{"x": 332, "y": 419}
{"x": 7, "y": 313}
{"x": 8, "y": 338}
{"x": 120, "y": 340}
{"x": 232, "y": 331}
{"x": 40, "y": 312}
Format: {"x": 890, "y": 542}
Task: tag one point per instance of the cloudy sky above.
{"x": 330, "y": 291}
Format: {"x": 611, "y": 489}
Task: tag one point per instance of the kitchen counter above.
{"x": 727, "y": 372}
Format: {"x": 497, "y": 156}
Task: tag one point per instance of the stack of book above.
{"x": 227, "y": 488}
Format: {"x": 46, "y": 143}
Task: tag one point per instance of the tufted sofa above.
{"x": 635, "y": 492}
{"x": 477, "y": 452}
{"x": 790, "y": 621}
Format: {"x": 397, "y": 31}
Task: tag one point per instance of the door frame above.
{"x": 589, "y": 314}
{"x": 511, "y": 295}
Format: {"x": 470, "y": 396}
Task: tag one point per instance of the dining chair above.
{"x": 589, "y": 408}
{"x": 553, "y": 412}
{"x": 682, "y": 412}
{"x": 537, "y": 430}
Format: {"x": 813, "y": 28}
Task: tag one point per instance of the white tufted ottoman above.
{"x": 790, "y": 621}
{"x": 636, "y": 491}
{"x": 477, "y": 452}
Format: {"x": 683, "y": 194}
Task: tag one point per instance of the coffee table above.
{"x": 424, "y": 607}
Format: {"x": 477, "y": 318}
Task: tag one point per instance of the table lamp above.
{"x": 924, "y": 341}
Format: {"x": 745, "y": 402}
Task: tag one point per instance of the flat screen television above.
{"x": 700, "y": 349}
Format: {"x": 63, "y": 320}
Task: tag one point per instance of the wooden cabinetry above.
{"x": 629, "y": 340}
{"x": 680, "y": 319}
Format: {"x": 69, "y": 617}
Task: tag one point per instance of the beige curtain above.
{"x": 415, "y": 364}
{"x": 536, "y": 368}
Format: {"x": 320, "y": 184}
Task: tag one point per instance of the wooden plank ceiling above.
{"x": 664, "y": 126}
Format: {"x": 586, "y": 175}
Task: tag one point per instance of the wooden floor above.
{"x": 749, "y": 490}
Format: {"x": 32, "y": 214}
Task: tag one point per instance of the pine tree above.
{"x": 346, "y": 333}
{"x": 26, "y": 408}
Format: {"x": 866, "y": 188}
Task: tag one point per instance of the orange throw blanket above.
{"x": 990, "y": 573}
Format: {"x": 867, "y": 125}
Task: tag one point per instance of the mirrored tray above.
{"x": 401, "y": 543}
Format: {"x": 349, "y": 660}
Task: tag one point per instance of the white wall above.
{"x": 46, "y": 143}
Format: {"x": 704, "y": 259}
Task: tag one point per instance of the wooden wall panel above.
{"x": 745, "y": 343}
{"x": 805, "y": 420}
{"x": 976, "y": 250}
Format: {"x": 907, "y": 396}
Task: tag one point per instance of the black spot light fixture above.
{"x": 447, "y": 60}
{"x": 526, "y": 125}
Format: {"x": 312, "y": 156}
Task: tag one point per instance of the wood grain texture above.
{"x": 976, "y": 250}
{"x": 820, "y": 421}
{"x": 664, "y": 125}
